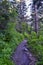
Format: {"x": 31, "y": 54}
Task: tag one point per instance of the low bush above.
{"x": 35, "y": 45}
{"x": 8, "y": 43}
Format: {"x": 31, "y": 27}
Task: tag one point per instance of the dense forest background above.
{"x": 15, "y": 26}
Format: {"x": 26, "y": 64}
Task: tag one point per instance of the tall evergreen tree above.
{"x": 4, "y": 13}
{"x": 36, "y": 5}
{"x": 21, "y": 8}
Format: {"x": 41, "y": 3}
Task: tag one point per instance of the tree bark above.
{"x": 35, "y": 19}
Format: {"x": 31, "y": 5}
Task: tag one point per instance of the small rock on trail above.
{"x": 22, "y": 56}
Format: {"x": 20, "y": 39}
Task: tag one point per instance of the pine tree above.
{"x": 4, "y": 12}
{"x": 36, "y": 5}
{"x": 21, "y": 8}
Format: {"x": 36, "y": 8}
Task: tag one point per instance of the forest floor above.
{"x": 22, "y": 56}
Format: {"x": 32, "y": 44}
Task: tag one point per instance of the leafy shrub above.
{"x": 8, "y": 43}
{"x": 11, "y": 39}
{"x": 35, "y": 45}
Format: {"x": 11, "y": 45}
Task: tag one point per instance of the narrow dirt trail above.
{"x": 22, "y": 56}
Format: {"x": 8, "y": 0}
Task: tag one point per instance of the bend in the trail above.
{"x": 22, "y": 56}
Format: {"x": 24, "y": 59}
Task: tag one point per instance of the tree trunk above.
{"x": 35, "y": 19}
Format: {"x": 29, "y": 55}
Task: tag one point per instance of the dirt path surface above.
{"x": 22, "y": 56}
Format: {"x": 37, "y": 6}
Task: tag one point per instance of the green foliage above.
{"x": 35, "y": 45}
{"x": 22, "y": 27}
{"x": 8, "y": 43}
{"x": 12, "y": 38}
{"x": 4, "y": 14}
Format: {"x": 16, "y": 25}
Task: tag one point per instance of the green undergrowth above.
{"x": 35, "y": 45}
{"x": 11, "y": 39}
{"x": 8, "y": 43}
